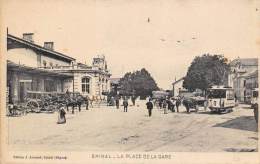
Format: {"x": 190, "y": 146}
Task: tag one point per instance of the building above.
{"x": 31, "y": 67}
{"x": 243, "y": 76}
{"x": 25, "y": 61}
{"x": 88, "y": 80}
{"x": 177, "y": 86}
{"x": 114, "y": 85}
{"x": 251, "y": 84}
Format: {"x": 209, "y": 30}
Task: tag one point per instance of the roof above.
{"x": 32, "y": 70}
{"x": 177, "y": 81}
{"x": 245, "y": 61}
{"x": 39, "y": 48}
{"x": 83, "y": 65}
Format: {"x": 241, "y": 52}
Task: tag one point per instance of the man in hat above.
{"x": 149, "y": 106}
{"x": 125, "y": 104}
{"x": 117, "y": 101}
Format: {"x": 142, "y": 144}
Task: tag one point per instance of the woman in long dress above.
{"x": 61, "y": 116}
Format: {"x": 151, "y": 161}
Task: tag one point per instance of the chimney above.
{"x": 28, "y": 37}
{"x": 49, "y": 45}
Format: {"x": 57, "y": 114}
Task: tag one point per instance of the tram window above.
{"x": 217, "y": 94}
{"x": 255, "y": 94}
{"x": 230, "y": 95}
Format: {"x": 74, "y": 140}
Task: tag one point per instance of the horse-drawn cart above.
{"x": 37, "y": 101}
{"x": 193, "y": 103}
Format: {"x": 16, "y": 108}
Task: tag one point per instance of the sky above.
{"x": 161, "y": 36}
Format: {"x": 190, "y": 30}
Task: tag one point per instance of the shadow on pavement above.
{"x": 242, "y": 123}
{"x": 240, "y": 150}
{"x": 213, "y": 113}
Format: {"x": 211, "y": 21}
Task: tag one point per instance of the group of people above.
{"x": 170, "y": 104}
{"x": 149, "y": 105}
{"x": 114, "y": 101}
{"x": 166, "y": 104}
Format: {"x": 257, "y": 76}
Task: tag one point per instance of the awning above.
{"x": 25, "y": 69}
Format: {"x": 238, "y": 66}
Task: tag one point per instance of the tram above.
{"x": 220, "y": 98}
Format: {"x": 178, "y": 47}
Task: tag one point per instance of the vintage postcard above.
{"x": 140, "y": 81}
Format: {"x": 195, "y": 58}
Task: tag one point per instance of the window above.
{"x": 255, "y": 93}
{"x": 85, "y": 85}
{"x": 230, "y": 95}
{"x": 217, "y": 93}
{"x": 50, "y": 86}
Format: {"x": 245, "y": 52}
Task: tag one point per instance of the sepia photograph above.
{"x": 129, "y": 81}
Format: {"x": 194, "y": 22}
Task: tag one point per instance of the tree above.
{"x": 140, "y": 83}
{"x": 205, "y": 71}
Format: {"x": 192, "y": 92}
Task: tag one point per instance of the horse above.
{"x": 74, "y": 101}
{"x": 190, "y": 103}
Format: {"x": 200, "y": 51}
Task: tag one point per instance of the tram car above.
{"x": 220, "y": 99}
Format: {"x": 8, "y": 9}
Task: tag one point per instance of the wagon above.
{"x": 37, "y": 101}
{"x": 193, "y": 103}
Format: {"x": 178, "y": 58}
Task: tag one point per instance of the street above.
{"x": 110, "y": 129}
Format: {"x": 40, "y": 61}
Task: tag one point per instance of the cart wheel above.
{"x": 51, "y": 108}
{"x": 33, "y": 106}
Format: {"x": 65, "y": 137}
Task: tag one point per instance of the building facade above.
{"x": 177, "y": 86}
{"x": 31, "y": 67}
{"x": 242, "y": 75}
{"x": 250, "y": 84}
{"x": 24, "y": 72}
{"x": 92, "y": 81}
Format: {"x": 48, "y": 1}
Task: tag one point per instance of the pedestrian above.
{"x": 187, "y": 103}
{"x": 169, "y": 104}
{"x": 117, "y": 102}
{"x": 160, "y": 103}
{"x": 205, "y": 105}
{"x": 164, "y": 103}
{"x": 164, "y": 107}
{"x": 149, "y": 106}
{"x": 61, "y": 116}
{"x": 87, "y": 102}
{"x": 125, "y": 104}
{"x": 111, "y": 101}
{"x": 173, "y": 104}
{"x": 133, "y": 100}
{"x": 178, "y": 103}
